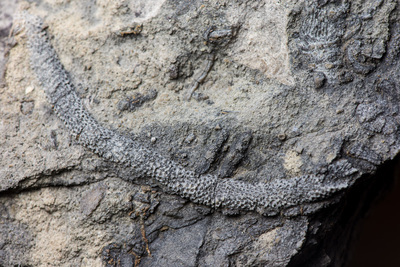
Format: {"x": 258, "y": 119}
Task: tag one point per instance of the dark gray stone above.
{"x": 259, "y": 171}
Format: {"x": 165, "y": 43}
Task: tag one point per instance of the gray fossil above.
{"x": 230, "y": 194}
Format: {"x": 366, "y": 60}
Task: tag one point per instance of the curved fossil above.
{"x": 265, "y": 198}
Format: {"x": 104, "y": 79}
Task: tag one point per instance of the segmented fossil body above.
{"x": 321, "y": 31}
{"x": 265, "y": 198}
{"x": 338, "y": 46}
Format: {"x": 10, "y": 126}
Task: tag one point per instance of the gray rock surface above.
{"x": 7, "y": 10}
{"x": 118, "y": 117}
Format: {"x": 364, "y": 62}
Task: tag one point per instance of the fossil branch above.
{"x": 265, "y": 198}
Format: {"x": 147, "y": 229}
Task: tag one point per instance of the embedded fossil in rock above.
{"x": 202, "y": 76}
{"x": 216, "y": 37}
{"x": 320, "y": 33}
{"x": 228, "y": 194}
{"x": 220, "y": 36}
{"x": 136, "y": 100}
{"x": 335, "y": 45}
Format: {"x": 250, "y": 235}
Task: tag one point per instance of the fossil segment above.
{"x": 320, "y": 34}
{"x": 266, "y": 198}
{"x": 340, "y": 39}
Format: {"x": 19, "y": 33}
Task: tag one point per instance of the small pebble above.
{"x": 29, "y": 89}
{"x": 319, "y": 79}
{"x": 190, "y": 138}
{"x": 282, "y": 137}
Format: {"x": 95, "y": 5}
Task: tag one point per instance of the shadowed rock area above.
{"x": 194, "y": 133}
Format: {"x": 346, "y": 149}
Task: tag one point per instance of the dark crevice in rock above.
{"x": 375, "y": 241}
{"x": 333, "y": 233}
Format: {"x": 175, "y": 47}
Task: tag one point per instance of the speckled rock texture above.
{"x": 193, "y": 133}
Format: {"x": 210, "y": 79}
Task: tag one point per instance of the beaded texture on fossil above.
{"x": 265, "y": 198}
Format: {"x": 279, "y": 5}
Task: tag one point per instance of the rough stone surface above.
{"x": 192, "y": 133}
{"x": 7, "y": 10}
